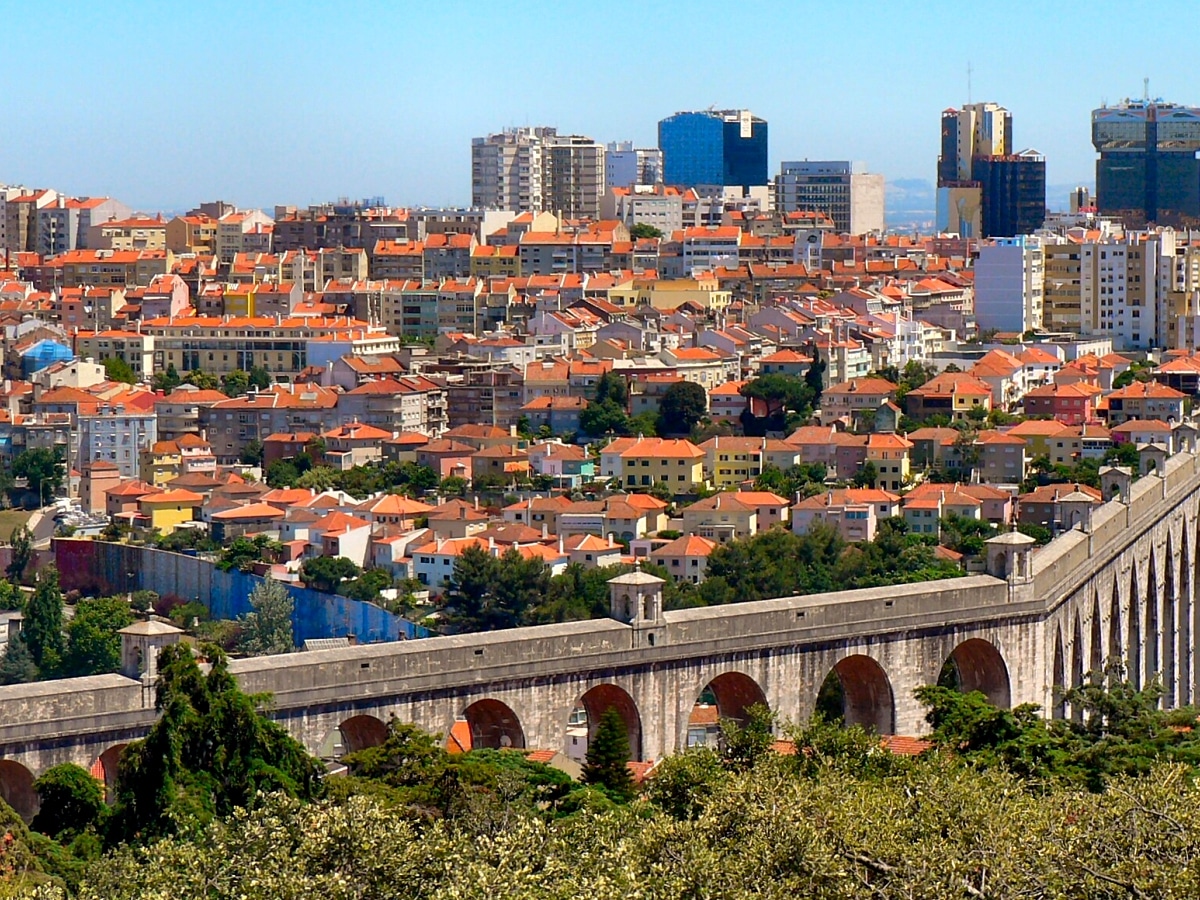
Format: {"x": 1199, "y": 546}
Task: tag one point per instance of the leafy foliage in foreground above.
{"x": 781, "y": 830}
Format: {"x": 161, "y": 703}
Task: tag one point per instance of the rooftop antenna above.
{"x": 1146, "y": 89}
{"x": 968, "y": 82}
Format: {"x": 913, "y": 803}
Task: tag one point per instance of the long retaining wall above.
{"x": 104, "y": 568}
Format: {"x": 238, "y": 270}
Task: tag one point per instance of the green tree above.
{"x": 93, "y": 644}
{"x": 17, "y": 665}
{"x": 43, "y": 471}
{"x": 608, "y": 757}
{"x": 116, "y": 369}
{"x": 43, "y": 627}
{"x": 367, "y": 586}
{"x": 612, "y": 387}
{"x": 166, "y": 381}
{"x": 267, "y": 629}
{"x": 210, "y": 752}
{"x": 683, "y": 404}
{"x": 866, "y": 475}
{"x": 202, "y": 380}
{"x": 72, "y": 801}
{"x": 235, "y": 383}
{"x": 282, "y": 473}
{"x": 252, "y": 453}
{"x": 11, "y": 598}
{"x": 601, "y": 417}
{"x": 318, "y": 478}
{"x": 326, "y": 573}
{"x": 20, "y": 544}
{"x": 243, "y": 552}
{"x": 641, "y": 230}
{"x": 258, "y": 378}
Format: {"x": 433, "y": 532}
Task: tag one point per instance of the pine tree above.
{"x": 43, "y": 629}
{"x": 17, "y": 665}
{"x": 608, "y": 757}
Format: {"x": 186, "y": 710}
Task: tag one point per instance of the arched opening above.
{"x": 1096, "y": 645}
{"x": 356, "y": 733}
{"x": 976, "y": 665}
{"x": 728, "y": 696}
{"x": 1184, "y": 692}
{"x": 1077, "y": 664}
{"x": 1150, "y": 638}
{"x": 1115, "y": 651}
{"x": 16, "y": 788}
{"x": 1135, "y": 629}
{"x": 1168, "y": 627}
{"x": 493, "y": 725}
{"x": 857, "y": 692}
{"x": 585, "y": 719}
{"x": 105, "y": 768}
{"x": 1059, "y": 709}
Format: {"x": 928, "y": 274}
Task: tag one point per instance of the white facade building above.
{"x": 1009, "y": 284}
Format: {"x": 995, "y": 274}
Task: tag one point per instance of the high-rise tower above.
{"x": 986, "y": 188}
{"x": 714, "y": 148}
{"x": 1148, "y": 171}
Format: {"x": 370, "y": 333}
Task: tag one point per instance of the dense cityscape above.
{"x": 664, "y": 521}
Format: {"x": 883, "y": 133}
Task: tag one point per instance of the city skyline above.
{"x": 271, "y": 116}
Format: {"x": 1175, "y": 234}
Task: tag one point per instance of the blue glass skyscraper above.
{"x": 721, "y": 148}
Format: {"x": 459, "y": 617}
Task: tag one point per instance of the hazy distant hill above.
{"x": 910, "y": 204}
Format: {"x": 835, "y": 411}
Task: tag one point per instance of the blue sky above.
{"x": 263, "y": 103}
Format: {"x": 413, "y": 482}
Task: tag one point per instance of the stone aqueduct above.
{"x": 1121, "y": 584}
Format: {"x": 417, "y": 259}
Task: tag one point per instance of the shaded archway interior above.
{"x": 16, "y": 789}
{"x": 493, "y": 725}
{"x": 603, "y": 697}
{"x": 735, "y": 693}
{"x": 360, "y": 732}
{"x": 978, "y": 666}
{"x": 105, "y": 769}
{"x": 857, "y": 691}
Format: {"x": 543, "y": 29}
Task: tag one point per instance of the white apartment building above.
{"x": 652, "y": 205}
{"x": 1120, "y": 292}
{"x": 626, "y": 166}
{"x": 536, "y": 169}
{"x": 1009, "y": 284}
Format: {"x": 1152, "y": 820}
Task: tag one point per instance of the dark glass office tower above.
{"x": 1014, "y": 193}
{"x": 717, "y": 148}
{"x": 1148, "y": 171}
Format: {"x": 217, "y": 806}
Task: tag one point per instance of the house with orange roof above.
{"x": 1142, "y": 431}
{"x": 951, "y": 394}
{"x": 393, "y": 509}
{"x": 785, "y": 362}
{"x": 341, "y": 534}
{"x": 353, "y": 444}
{"x": 433, "y": 562}
{"x": 722, "y": 517}
{"x": 251, "y": 518}
{"x": 167, "y": 510}
{"x": 676, "y": 462}
{"x": 726, "y": 403}
{"x": 853, "y": 512}
{"x": 975, "y": 501}
{"x": 1070, "y": 404}
{"x": 1002, "y": 457}
{"x": 1050, "y": 505}
{"x": 855, "y": 396}
{"x": 592, "y": 551}
{"x": 1145, "y": 400}
{"x": 890, "y": 454}
{"x": 1004, "y": 373}
{"x": 685, "y": 558}
{"x": 731, "y": 460}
